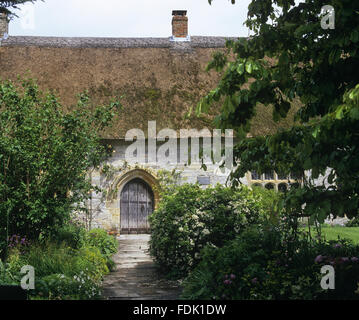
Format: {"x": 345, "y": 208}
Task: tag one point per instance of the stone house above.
{"x": 159, "y": 80}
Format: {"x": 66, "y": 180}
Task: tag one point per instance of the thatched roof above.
{"x": 158, "y": 79}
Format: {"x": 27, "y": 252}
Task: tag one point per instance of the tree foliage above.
{"x": 45, "y": 154}
{"x": 8, "y": 6}
{"x": 289, "y": 56}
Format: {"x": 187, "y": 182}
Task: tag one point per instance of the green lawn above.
{"x": 332, "y": 233}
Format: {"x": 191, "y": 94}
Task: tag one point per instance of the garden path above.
{"x": 135, "y": 276}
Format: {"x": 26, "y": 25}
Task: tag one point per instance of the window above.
{"x": 255, "y": 175}
{"x": 269, "y": 175}
{"x": 274, "y": 181}
{"x": 282, "y": 176}
{"x": 295, "y": 176}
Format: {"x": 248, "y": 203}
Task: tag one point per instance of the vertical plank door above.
{"x": 136, "y": 205}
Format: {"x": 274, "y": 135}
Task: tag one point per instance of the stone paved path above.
{"x": 135, "y": 276}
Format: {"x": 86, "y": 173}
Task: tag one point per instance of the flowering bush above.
{"x": 261, "y": 264}
{"x": 60, "y": 286}
{"x": 190, "y": 218}
{"x": 16, "y": 241}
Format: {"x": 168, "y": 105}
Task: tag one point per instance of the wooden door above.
{"x": 136, "y": 204}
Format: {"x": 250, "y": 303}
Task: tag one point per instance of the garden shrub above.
{"x": 90, "y": 260}
{"x": 260, "y": 264}
{"x": 5, "y": 276}
{"x": 72, "y": 267}
{"x": 76, "y": 237}
{"x": 271, "y": 202}
{"x": 51, "y": 260}
{"x": 99, "y": 238}
{"x": 107, "y": 244}
{"x": 63, "y": 287}
{"x": 47, "y": 152}
{"x": 71, "y": 234}
{"x": 353, "y": 222}
{"x": 190, "y": 218}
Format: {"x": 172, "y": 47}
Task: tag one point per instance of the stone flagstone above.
{"x": 135, "y": 276}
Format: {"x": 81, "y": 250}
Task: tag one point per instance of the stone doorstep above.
{"x": 134, "y": 265}
{"x": 135, "y": 247}
{"x": 120, "y": 258}
{"x": 133, "y": 243}
{"x": 134, "y": 255}
{"x": 134, "y": 237}
{"x": 135, "y": 260}
{"x": 122, "y": 253}
{"x": 123, "y": 267}
{"x": 133, "y": 250}
{"x": 145, "y": 261}
{"x": 140, "y": 262}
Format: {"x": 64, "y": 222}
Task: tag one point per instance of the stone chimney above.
{"x": 4, "y": 24}
{"x": 180, "y": 26}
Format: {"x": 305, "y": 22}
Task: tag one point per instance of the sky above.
{"x": 128, "y": 18}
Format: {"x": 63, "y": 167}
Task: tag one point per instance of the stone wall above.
{"x": 105, "y": 205}
{"x": 4, "y": 24}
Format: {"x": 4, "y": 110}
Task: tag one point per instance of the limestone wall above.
{"x": 106, "y": 206}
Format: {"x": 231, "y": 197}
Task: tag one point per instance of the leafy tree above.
{"x": 7, "y": 6}
{"x": 291, "y": 56}
{"x": 45, "y": 155}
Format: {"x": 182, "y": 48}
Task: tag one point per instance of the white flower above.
{"x": 206, "y": 231}
{"x": 180, "y": 229}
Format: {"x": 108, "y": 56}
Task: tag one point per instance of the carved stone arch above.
{"x": 113, "y": 196}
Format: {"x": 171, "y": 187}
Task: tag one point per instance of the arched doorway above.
{"x": 136, "y": 205}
